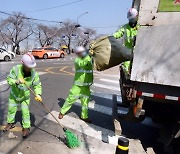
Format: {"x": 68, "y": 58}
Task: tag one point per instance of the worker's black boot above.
{"x": 60, "y": 116}
{"x": 87, "y": 120}
{"x": 25, "y": 132}
{"x": 8, "y": 127}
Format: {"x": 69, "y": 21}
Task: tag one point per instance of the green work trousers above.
{"x": 12, "y": 109}
{"x": 78, "y": 92}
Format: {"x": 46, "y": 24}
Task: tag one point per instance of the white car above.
{"x": 4, "y": 55}
{"x": 13, "y": 55}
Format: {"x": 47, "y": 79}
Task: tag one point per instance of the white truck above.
{"x": 154, "y": 83}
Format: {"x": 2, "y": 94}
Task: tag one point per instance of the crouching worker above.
{"x": 82, "y": 81}
{"x": 20, "y": 95}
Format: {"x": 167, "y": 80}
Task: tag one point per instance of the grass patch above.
{"x": 168, "y": 6}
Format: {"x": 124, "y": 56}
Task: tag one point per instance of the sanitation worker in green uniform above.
{"x": 128, "y": 32}
{"x": 83, "y": 79}
{"x": 20, "y": 94}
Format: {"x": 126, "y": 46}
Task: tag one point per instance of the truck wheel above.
{"x": 6, "y": 58}
{"x": 45, "y": 56}
{"x": 62, "y": 55}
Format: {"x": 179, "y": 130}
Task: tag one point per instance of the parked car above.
{"x": 4, "y": 55}
{"x": 13, "y": 55}
{"x": 48, "y": 52}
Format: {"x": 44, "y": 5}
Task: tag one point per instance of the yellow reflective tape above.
{"x": 123, "y": 148}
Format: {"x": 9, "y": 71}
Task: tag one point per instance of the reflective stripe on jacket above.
{"x": 21, "y": 92}
{"x": 84, "y": 71}
{"x": 128, "y": 33}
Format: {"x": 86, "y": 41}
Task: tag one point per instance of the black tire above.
{"x": 12, "y": 56}
{"x": 45, "y": 56}
{"x": 6, "y": 58}
{"x": 62, "y": 55}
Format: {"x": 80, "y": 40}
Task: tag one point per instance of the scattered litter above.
{"x": 19, "y": 153}
{"x": 11, "y": 135}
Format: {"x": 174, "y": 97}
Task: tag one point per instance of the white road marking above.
{"x": 100, "y": 108}
{"x": 108, "y": 111}
{"x": 41, "y": 73}
{"x": 111, "y": 81}
{"x": 10, "y": 62}
{"x": 107, "y": 96}
{"x": 87, "y": 129}
{"x": 102, "y": 95}
{"x": 5, "y": 82}
{"x": 106, "y": 86}
{"x": 107, "y": 75}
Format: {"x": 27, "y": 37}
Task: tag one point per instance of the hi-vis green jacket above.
{"x": 21, "y": 92}
{"x": 84, "y": 71}
{"x": 129, "y": 34}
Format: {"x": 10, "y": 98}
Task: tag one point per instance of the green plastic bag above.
{"x": 108, "y": 52}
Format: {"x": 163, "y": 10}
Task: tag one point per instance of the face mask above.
{"x": 84, "y": 54}
{"x": 133, "y": 21}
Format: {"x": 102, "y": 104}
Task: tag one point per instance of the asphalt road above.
{"x": 57, "y": 77}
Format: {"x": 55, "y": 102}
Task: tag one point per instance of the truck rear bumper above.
{"x": 167, "y": 94}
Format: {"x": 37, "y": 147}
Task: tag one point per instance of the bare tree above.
{"x": 69, "y": 30}
{"x": 46, "y": 35}
{"x": 15, "y": 29}
{"x": 4, "y": 41}
{"x": 85, "y": 36}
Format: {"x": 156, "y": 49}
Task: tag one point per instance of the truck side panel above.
{"x": 157, "y": 55}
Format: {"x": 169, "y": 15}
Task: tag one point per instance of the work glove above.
{"x": 38, "y": 98}
{"x": 20, "y": 81}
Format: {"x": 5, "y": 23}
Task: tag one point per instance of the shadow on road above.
{"x": 100, "y": 122}
{"x": 146, "y": 133}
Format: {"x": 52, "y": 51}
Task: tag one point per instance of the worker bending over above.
{"x": 129, "y": 32}
{"x": 19, "y": 94}
{"x": 82, "y": 81}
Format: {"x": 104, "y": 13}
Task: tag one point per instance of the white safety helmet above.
{"x": 28, "y": 60}
{"x": 132, "y": 14}
{"x": 80, "y": 49}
